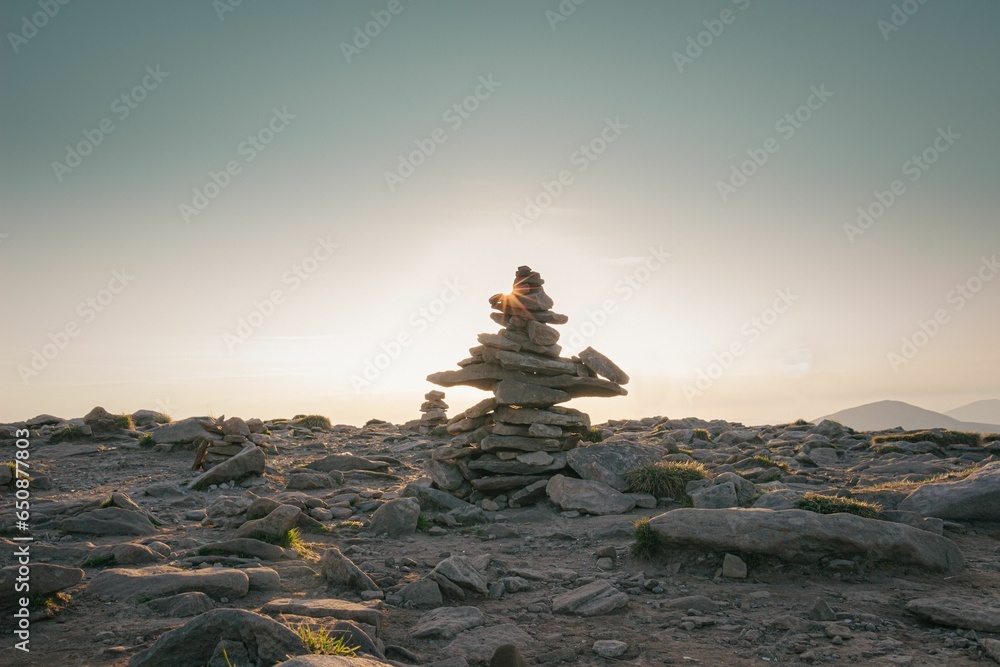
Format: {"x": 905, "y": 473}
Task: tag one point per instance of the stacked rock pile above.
{"x": 433, "y": 411}
{"x": 513, "y": 442}
{"x": 235, "y": 434}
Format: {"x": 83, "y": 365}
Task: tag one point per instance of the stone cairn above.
{"x": 225, "y": 438}
{"x": 433, "y": 412}
{"x": 513, "y": 442}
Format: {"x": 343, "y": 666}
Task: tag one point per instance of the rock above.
{"x": 507, "y": 655}
{"x": 396, "y": 518}
{"x": 339, "y": 570}
{"x": 235, "y": 426}
{"x": 783, "y": 499}
{"x": 226, "y": 506}
{"x": 719, "y": 496}
{"x": 956, "y": 613}
{"x": 480, "y": 644}
{"x": 609, "y": 648}
{"x": 447, "y": 622}
{"x": 733, "y": 567}
{"x": 422, "y": 593}
{"x": 184, "y": 431}
{"x": 274, "y": 526}
{"x": 307, "y": 479}
{"x": 147, "y": 418}
{"x": 333, "y": 661}
{"x": 246, "y": 547}
{"x": 45, "y": 579}
{"x": 512, "y": 392}
{"x": 823, "y": 456}
{"x": 6, "y": 475}
{"x": 603, "y": 366}
{"x": 608, "y": 461}
{"x": 459, "y": 570}
{"x": 821, "y": 611}
{"x": 433, "y": 498}
{"x": 977, "y": 497}
{"x": 529, "y": 495}
{"x": 326, "y": 608}
{"x": 587, "y": 496}
{"x": 251, "y": 461}
{"x": 746, "y": 491}
{"x": 182, "y": 605}
{"x": 109, "y": 521}
{"x": 162, "y": 580}
{"x": 830, "y": 429}
{"x": 128, "y": 553}
{"x": 594, "y": 599}
{"x": 101, "y": 421}
{"x": 991, "y": 647}
{"x": 263, "y": 579}
{"x": 345, "y": 462}
{"x": 801, "y": 536}
{"x": 520, "y": 443}
{"x": 445, "y": 475}
{"x": 266, "y": 641}
{"x": 699, "y": 603}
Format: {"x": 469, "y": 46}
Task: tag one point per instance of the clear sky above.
{"x": 235, "y": 209}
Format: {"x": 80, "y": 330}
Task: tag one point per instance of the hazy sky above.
{"x": 236, "y": 209}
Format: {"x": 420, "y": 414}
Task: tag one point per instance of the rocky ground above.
{"x": 138, "y": 560}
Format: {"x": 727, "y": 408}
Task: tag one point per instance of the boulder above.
{"x": 333, "y": 661}
{"x": 977, "y": 615}
{"x": 181, "y": 605}
{"x": 162, "y": 580}
{"x": 422, "y": 593}
{"x": 594, "y": 599}
{"x": 339, "y": 570}
{"x": 109, "y": 521}
{"x": 603, "y": 366}
{"x": 718, "y": 496}
{"x": 608, "y": 461}
{"x": 326, "y": 608}
{"x": 128, "y": 553}
{"x": 246, "y": 547}
{"x": 396, "y": 518}
{"x": 251, "y": 461}
{"x": 459, "y": 571}
{"x": 977, "y": 497}
{"x": 345, "y": 462}
{"x": 447, "y": 622}
{"x": 805, "y": 537}
{"x": 479, "y": 644}
{"x": 183, "y": 432}
{"x": 587, "y": 496}
{"x": 274, "y": 526}
{"x": 147, "y": 418}
{"x": 266, "y": 641}
{"x": 45, "y": 580}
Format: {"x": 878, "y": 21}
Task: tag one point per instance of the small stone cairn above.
{"x": 514, "y": 441}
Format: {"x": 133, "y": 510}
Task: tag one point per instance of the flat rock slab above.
{"x": 245, "y": 546}
{"x": 608, "y": 461}
{"x": 977, "y": 497}
{"x": 162, "y": 580}
{"x": 806, "y": 537}
{"x": 109, "y": 521}
{"x": 345, "y": 462}
{"x": 333, "y": 661}
{"x": 447, "y": 622}
{"x": 45, "y": 579}
{"x": 460, "y": 571}
{"x": 266, "y": 640}
{"x": 480, "y": 644}
{"x": 955, "y": 613}
{"x": 594, "y": 599}
{"x": 587, "y": 496}
{"x": 326, "y": 608}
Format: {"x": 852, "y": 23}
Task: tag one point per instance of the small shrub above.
{"x": 646, "y": 545}
{"x": 123, "y": 422}
{"x": 293, "y": 540}
{"x": 701, "y": 434}
{"x": 663, "y": 479}
{"x": 423, "y": 523}
{"x": 821, "y": 504}
{"x": 146, "y": 440}
{"x": 991, "y": 437}
{"x": 313, "y": 421}
{"x": 940, "y": 438}
{"x": 593, "y": 435}
{"x": 100, "y": 561}
{"x": 320, "y": 642}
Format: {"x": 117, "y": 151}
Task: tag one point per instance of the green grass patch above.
{"x": 821, "y": 504}
{"x": 67, "y": 433}
{"x": 768, "y": 462}
{"x": 593, "y": 435}
{"x": 646, "y": 545}
{"x": 100, "y": 561}
{"x": 146, "y": 440}
{"x": 664, "y": 479}
{"x": 941, "y": 438}
{"x": 423, "y": 523}
{"x": 321, "y": 642}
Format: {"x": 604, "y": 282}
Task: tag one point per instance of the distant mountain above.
{"x": 885, "y": 415}
{"x": 987, "y": 411}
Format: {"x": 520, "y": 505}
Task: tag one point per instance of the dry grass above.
{"x": 821, "y": 504}
{"x": 941, "y": 438}
{"x": 910, "y": 485}
{"x": 665, "y": 479}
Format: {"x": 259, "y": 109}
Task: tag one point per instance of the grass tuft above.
{"x": 910, "y": 485}
{"x": 821, "y": 504}
{"x": 146, "y": 440}
{"x": 991, "y": 437}
{"x": 357, "y": 525}
{"x": 646, "y": 545}
{"x": 768, "y": 462}
{"x": 313, "y": 421}
{"x": 123, "y": 422}
{"x": 321, "y": 642}
{"x": 67, "y": 433}
{"x": 663, "y": 479}
{"x": 941, "y": 438}
{"x": 593, "y": 435}
{"x": 423, "y": 523}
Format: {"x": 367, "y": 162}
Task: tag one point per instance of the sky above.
{"x": 760, "y": 210}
